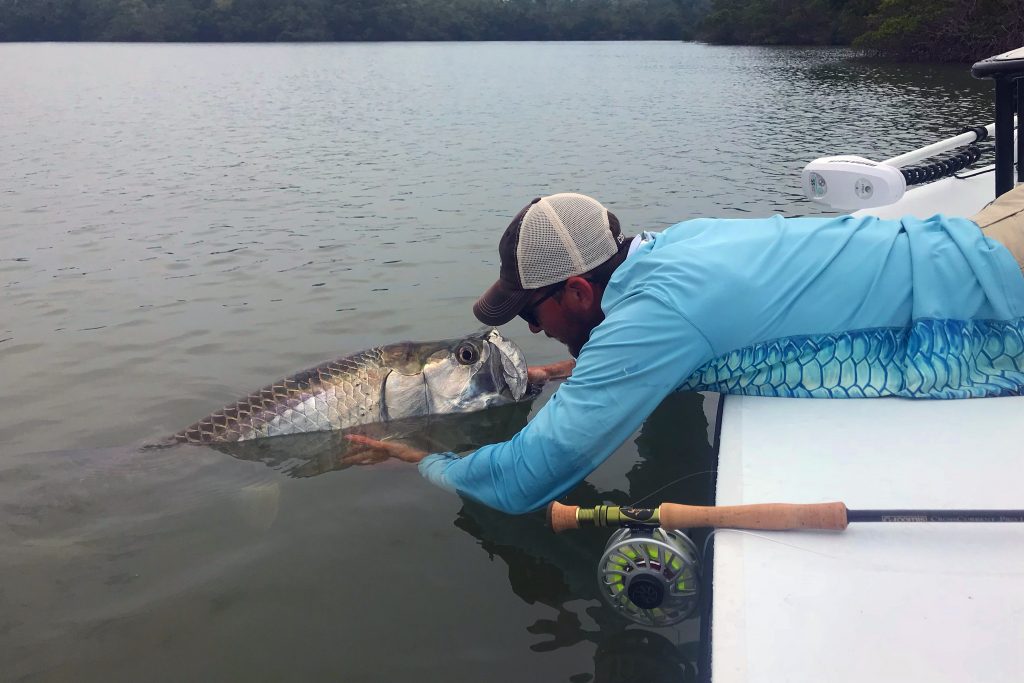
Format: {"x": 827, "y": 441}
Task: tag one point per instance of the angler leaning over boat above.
{"x": 835, "y": 307}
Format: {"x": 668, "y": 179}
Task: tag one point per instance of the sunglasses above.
{"x": 529, "y": 313}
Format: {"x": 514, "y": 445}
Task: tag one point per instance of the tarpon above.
{"x": 385, "y": 383}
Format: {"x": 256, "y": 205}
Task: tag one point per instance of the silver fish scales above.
{"x": 397, "y": 381}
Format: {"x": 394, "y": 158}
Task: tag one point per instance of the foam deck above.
{"x": 880, "y": 601}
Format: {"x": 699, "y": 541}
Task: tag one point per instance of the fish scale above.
{"x": 406, "y": 379}
{"x": 335, "y": 395}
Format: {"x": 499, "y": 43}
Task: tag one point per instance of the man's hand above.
{"x": 379, "y": 451}
{"x": 376, "y": 451}
{"x": 539, "y": 374}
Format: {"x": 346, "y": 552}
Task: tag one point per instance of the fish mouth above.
{"x": 513, "y": 364}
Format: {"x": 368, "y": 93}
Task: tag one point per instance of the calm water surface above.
{"x": 182, "y": 224}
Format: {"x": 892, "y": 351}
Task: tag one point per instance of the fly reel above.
{"x": 650, "y": 575}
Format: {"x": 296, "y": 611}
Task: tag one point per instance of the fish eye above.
{"x": 467, "y": 354}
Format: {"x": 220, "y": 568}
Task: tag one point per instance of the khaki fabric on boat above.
{"x": 1003, "y": 221}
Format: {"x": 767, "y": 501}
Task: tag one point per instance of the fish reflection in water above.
{"x": 308, "y": 455}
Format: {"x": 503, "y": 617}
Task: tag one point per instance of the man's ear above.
{"x": 581, "y": 292}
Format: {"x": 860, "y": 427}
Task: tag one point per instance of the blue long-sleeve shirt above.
{"x": 812, "y": 307}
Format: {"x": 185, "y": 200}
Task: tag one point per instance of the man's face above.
{"x": 569, "y": 315}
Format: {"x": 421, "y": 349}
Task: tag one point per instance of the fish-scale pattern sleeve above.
{"x": 643, "y": 351}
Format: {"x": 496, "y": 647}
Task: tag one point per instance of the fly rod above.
{"x": 765, "y": 516}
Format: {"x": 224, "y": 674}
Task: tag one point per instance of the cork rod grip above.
{"x": 768, "y": 516}
{"x": 765, "y": 516}
{"x": 562, "y": 517}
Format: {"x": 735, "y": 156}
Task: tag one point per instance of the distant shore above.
{"x": 936, "y": 30}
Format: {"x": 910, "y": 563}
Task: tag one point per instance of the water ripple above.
{"x": 186, "y": 216}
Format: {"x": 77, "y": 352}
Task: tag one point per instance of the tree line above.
{"x": 932, "y": 30}
{"x": 348, "y": 20}
{"x": 943, "y": 30}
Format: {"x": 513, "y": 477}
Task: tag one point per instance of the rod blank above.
{"x": 765, "y": 516}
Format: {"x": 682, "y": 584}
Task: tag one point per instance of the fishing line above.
{"x": 671, "y": 483}
{"x": 713, "y": 532}
{"x": 746, "y": 476}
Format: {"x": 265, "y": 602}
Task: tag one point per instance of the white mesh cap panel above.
{"x": 563, "y": 235}
{"x": 544, "y": 252}
{"x": 587, "y": 224}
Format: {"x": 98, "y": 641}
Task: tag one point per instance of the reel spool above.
{"x": 650, "y": 576}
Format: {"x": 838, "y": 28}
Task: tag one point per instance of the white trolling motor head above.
{"x": 850, "y": 183}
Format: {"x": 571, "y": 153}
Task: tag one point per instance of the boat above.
{"x": 898, "y": 601}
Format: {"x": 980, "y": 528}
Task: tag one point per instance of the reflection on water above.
{"x": 307, "y": 455}
{"x": 641, "y": 657}
{"x": 892, "y": 108}
{"x": 116, "y": 559}
{"x": 674, "y": 463}
{"x": 542, "y": 568}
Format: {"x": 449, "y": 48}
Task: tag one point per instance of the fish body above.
{"x": 385, "y": 383}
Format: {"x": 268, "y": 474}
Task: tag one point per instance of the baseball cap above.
{"x": 550, "y": 240}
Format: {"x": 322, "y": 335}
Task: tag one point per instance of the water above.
{"x": 181, "y": 224}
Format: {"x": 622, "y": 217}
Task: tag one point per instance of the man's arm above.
{"x": 637, "y": 356}
{"x": 558, "y": 370}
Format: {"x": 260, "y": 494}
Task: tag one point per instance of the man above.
{"x": 805, "y": 307}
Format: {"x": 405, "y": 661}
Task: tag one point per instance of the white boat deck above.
{"x": 880, "y": 601}
{"x": 950, "y": 196}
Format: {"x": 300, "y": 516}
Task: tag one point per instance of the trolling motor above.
{"x": 849, "y": 183}
{"x": 852, "y": 182}
{"x": 650, "y": 569}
